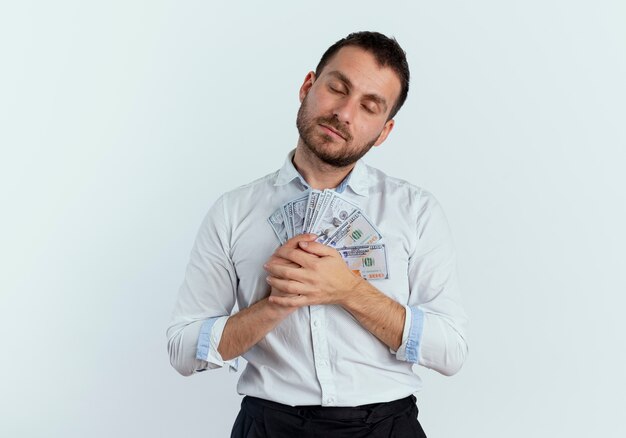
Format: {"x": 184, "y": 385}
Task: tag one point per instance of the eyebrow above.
{"x": 371, "y": 96}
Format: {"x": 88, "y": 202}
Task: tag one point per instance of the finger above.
{"x": 281, "y": 261}
{"x": 291, "y": 287}
{"x": 316, "y": 248}
{"x": 293, "y": 242}
{"x": 296, "y": 255}
{"x": 286, "y": 272}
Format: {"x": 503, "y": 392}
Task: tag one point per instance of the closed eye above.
{"x": 369, "y": 108}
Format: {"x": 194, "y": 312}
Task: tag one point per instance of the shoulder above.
{"x": 390, "y": 185}
{"x": 235, "y": 204}
{"x": 258, "y": 188}
{"x": 407, "y": 195}
{"x": 241, "y": 196}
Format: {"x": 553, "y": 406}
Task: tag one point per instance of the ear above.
{"x": 385, "y": 132}
{"x": 307, "y": 84}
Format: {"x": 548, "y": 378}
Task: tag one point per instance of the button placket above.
{"x": 321, "y": 355}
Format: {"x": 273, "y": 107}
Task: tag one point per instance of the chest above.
{"x": 255, "y": 242}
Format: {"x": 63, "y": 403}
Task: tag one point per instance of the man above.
{"x": 329, "y": 353}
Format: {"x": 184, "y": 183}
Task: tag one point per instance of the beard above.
{"x": 315, "y": 141}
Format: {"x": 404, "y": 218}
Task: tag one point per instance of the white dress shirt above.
{"x": 321, "y": 355}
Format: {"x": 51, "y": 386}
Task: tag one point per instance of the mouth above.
{"x": 332, "y": 132}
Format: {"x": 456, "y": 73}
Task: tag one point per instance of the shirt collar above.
{"x": 357, "y": 179}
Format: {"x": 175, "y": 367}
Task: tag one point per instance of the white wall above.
{"x": 121, "y": 122}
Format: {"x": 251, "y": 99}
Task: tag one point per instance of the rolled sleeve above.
{"x": 415, "y": 335}
{"x": 206, "y": 298}
{"x": 401, "y": 351}
{"x": 437, "y": 337}
{"x": 208, "y": 341}
{"x": 411, "y": 335}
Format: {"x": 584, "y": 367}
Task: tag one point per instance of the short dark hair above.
{"x": 387, "y": 52}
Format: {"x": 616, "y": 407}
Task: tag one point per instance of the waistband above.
{"x": 370, "y": 412}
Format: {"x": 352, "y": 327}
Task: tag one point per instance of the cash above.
{"x": 357, "y": 229}
{"x": 338, "y": 223}
{"x": 277, "y": 222}
{"x": 299, "y": 215}
{"x": 368, "y": 261}
{"x": 335, "y": 213}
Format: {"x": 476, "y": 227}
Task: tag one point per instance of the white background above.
{"x": 122, "y": 121}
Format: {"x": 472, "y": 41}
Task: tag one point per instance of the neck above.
{"x": 315, "y": 172}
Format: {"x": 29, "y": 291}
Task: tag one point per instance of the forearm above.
{"x": 247, "y": 327}
{"x": 320, "y": 276}
{"x": 377, "y": 313}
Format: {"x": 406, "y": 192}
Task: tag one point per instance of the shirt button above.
{"x": 330, "y": 400}
{"x": 316, "y": 323}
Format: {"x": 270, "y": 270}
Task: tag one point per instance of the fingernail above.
{"x": 268, "y": 279}
{"x": 304, "y": 244}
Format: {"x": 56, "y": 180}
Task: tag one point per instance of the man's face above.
{"x": 344, "y": 111}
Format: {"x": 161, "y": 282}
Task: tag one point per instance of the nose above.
{"x": 345, "y": 110}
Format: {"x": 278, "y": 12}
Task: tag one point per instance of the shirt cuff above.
{"x": 415, "y": 335}
{"x": 208, "y": 341}
{"x": 401, "y": 352}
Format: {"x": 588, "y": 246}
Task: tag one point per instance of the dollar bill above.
{"x": 311, "y": 203}
{"x": 357, "y": 229}
{"x": 367, "y": 261}
{"x": 288, "y": 214}
{"x": 277, "y": 222}
{"x": 322, "y": 203}
{"x": 299, "y": 211}
{"x": 338, "y": 223}
{"x": 334, "y": 216}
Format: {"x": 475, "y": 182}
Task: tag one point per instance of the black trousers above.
{"x": 260, "y": 418}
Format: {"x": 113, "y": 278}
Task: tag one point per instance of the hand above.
{"x": 274, "y": 260}
{"x": 304, "y": 272}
